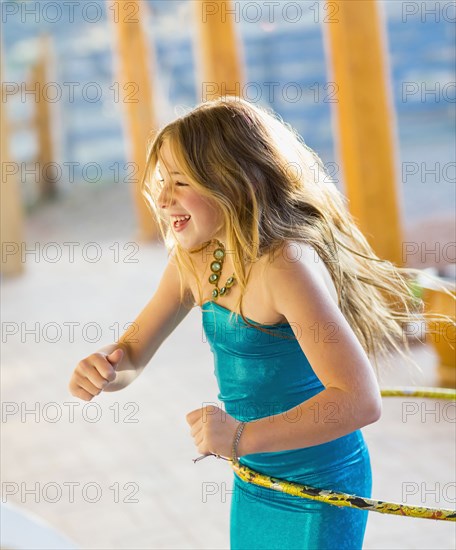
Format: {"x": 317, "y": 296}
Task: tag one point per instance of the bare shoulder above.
{"x": 294, "y": 257}
{"x": 299, "y": 291}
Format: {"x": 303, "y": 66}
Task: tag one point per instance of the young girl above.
{"x": 294, "y": 303}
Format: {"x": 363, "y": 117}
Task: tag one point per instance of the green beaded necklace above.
{"x": 216, "y": 268}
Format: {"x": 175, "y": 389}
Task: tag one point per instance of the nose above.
{"x": 163, "y": 198}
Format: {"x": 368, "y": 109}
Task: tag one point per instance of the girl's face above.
{"x": 205, "y": 222}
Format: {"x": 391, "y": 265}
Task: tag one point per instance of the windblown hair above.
{"x": 272, "y": 188}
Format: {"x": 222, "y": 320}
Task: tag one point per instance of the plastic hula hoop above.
{"x": 336, "y": 498}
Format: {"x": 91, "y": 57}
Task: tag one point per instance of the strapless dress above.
{"x": 261, "y": 375}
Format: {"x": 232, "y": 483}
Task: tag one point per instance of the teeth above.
{"x": 181, "y": 218}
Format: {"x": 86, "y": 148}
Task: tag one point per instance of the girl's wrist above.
{"x": 235, "y": 442}
{"x": 245, "y": 444}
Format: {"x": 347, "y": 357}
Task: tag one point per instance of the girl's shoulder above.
{"x": 290, "y": 253}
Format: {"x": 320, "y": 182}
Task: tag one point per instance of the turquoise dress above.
{"x": 262, "y": 375}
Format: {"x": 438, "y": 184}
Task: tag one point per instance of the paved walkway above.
{"x": 128, "y": 454}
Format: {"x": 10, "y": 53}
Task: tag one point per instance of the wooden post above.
{"x": 218, "y": 50}
{"x": 39, "y": 77}
{"x": 12, "y": 214}
{"x": 137, "y": 97}
{"x": 366, "y": 122}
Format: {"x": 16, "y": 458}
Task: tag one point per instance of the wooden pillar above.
{"x": 43, "y": 121}
{"x": 11, "y": 208}
{"x": 136, "y": 95}
{"x": 357, "y": 57}
{"x": 218, "y": 50}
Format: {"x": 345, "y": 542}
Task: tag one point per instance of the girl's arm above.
{"x": 139, "y": 342}
{"x": 154, "y": 324}
{"x": 125, "y": 371}
{"x": 351, "y": 398}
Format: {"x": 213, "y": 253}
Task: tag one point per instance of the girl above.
{"x": 258, "y": 233}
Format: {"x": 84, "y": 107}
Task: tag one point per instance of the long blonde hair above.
{"x": 272, "y": 188}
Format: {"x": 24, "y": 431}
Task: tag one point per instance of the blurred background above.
{"x": 369, "y": 85}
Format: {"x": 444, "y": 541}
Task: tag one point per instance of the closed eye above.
{"x": 180, "y": 183}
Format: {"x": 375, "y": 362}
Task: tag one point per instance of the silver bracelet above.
{"x": 236, "y": 438}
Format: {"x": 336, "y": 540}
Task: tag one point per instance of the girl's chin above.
{"x": 187, "y": 242}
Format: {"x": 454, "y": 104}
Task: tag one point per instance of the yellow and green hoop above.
{"x": 354, "y": 501}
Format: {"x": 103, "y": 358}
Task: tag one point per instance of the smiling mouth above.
{"x": 179, "y": 224}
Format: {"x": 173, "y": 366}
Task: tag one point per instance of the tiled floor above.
{"x": 135, "y": 458}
